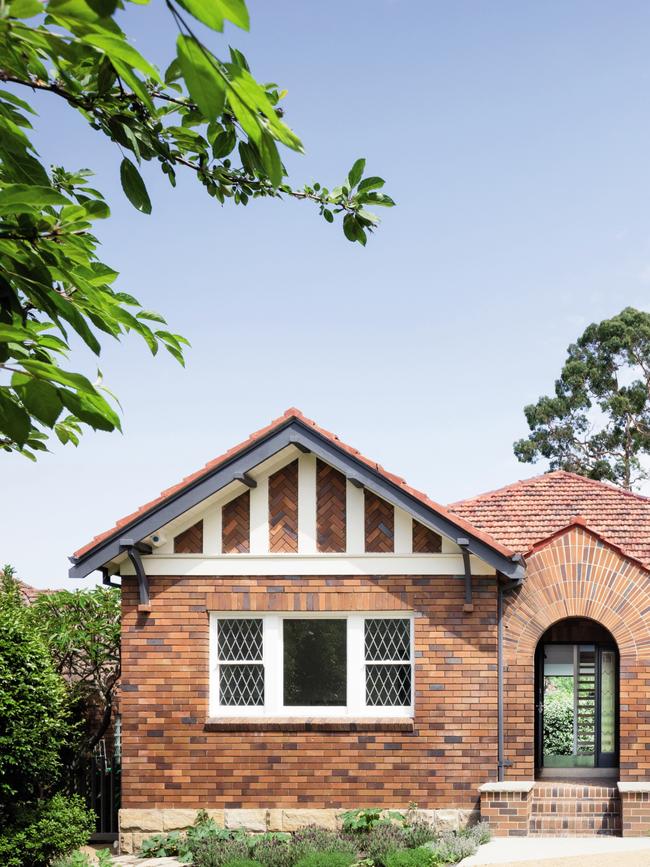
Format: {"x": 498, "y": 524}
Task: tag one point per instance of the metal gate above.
{"x": 99, "y": 784}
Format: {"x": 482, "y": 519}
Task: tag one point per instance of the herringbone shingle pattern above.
{"x": 235, "y": 526}
{"x": 190, "y": 541}
{"x": 380, "y": 524}
{"x": 283, "y": 509}
{"x": 425, "y": 540}
{"x": 330, "y": 508}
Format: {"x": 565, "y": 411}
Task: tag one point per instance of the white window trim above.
{"x": 272, "y": 660}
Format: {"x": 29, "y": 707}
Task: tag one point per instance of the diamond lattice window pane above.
{"x": 241, "y": 685}
{"x": 239, "y": 640}
{"x": 388, "y": 685}
{"x": 388, "y": 639}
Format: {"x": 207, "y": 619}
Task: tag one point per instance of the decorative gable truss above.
{"x": 294, "y": 493}
{"x": 300, "y": 508}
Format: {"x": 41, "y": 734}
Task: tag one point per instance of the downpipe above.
{"x": 504, "y": 586}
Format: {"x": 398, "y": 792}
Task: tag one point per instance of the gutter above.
{"x": 504, "y": 586}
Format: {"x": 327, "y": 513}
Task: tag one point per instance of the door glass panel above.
{"x": 559, "y": 688}
{"x": 607, "y": 701}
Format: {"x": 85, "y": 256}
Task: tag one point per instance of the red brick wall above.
{"x": 171, "y": 760}
{"x": 576, "y": 575}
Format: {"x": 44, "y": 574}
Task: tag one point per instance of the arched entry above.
{"x": 576, "y": 697}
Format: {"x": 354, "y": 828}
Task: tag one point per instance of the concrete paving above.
{"x": 562, "y": 852}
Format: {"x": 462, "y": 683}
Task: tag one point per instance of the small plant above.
{"x": 80, "y": 859}
{"x": 313, "y": 838}
{"x": 420, "y": 857}
{"x": 273, "y": 850}
{"x": 480, "y": 833}
{"x": 383, "y": 839}
{"x": 164, "y": 845}
{"x": 207, "y": 851}
{"x": 243, "y": 862}
{"x": 452, "y": 848}
{"x": 364, "y": 820}
{"x": 326, "y": 859}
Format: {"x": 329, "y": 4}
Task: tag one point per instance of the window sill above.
{"x": 320, "y": 724}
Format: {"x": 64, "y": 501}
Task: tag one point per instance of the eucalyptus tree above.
{"x": 597, "y": 422}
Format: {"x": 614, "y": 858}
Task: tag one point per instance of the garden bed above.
{"x": 367, "y": 838}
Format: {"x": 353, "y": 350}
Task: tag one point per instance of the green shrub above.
{"x": 313, "y": 838}
{"x": 451, "y": 848}
{"x": 418, "y": 832}
{"x": 164, "y": 845}
{"x": 46, "y": 831}
{"x": 209, "y": 851}
{"x": 80, "y": 859}
{"x": 326, "y": 859}
{"x": 480, "y": 833}
{"x": 558, "y": 724}
{"x": 33, "y": 723}
{"x": 382, "y": 840}
{"x": 243, "y": 862}
{"x": 367, "y": 818}
{"x": 273, "y": 850}
{"x": 420, "y": 857}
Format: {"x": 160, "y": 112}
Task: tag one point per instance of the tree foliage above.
{"x": 597, "y": 423}
{"x": 206, "y": 114}
{"x": 82, "y": 632}
{"x": 33, "y": 720}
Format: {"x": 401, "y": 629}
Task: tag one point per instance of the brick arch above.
{"x": 578, "y": 575}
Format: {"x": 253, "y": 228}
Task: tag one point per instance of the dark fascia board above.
{"x": 296, "y": 433}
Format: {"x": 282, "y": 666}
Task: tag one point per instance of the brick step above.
{"x": 574, "y": 807}
{"x": 575, "y": 826}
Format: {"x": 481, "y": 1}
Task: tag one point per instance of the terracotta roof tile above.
{"x": 293, "y": 413}
{"x": 527, "y": 512}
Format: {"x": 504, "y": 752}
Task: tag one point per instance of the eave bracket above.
{"x": 134, "y": 550}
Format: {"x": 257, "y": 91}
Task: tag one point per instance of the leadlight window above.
{"x": 302, "y": 665}
{"x": 240, "y": 646}
{"x": 388, "y": 662}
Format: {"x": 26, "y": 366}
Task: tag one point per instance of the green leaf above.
{"x": 14, "y": 421}
{"x": 134, "y": 187}
{"x": 368, "y": 184}
{"x": 329, "y": 216}
{"x": 270, "y": 158}
{"x": 25, "y": 8}
{"x": 49, "y": 372}
{"x": 28, "y": 194}
{"x": 42, "y": 400}
{"x": 205, "y": 84}
{"x": 92, "y": 409}
{"x": 118, "y": 48}
{"x": 356, "y": 173}
{"x": 213, "y": 12}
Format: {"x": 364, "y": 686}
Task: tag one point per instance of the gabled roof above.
{"x": 527, "y": 512}
{"x": 290, "y": 428}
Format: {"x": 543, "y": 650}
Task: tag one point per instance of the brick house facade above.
{"x": 305, "y": 633}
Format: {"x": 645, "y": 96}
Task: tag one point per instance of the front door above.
{"x": 577, "y": 688}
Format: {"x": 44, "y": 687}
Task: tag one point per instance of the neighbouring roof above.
{"x": 293, "y": 427}
{"x": 527, "y": 512}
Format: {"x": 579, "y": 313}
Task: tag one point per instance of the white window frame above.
{"x": 272, "y": 659}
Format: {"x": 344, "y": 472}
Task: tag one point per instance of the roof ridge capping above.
{"x": 331, "y": 447}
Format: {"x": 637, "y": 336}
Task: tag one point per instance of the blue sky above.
{"x": 515, "y": 138}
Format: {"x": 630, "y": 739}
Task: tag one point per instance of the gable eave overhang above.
{"x": 297, "y": 433}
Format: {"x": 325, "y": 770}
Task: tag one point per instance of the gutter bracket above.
{"x": 463, "y": 544}
{"x": 133, "y": 551}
